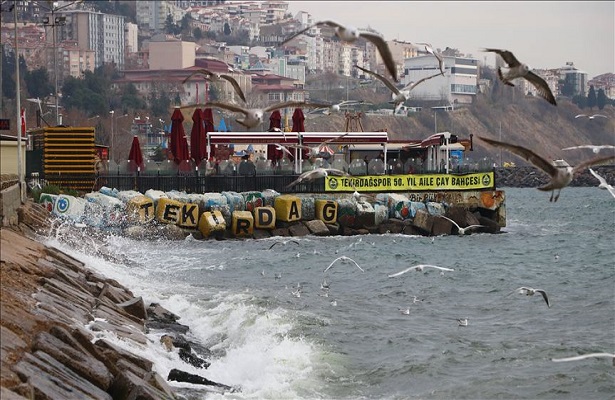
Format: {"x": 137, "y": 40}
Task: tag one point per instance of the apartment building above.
{"x": 152, "y": 15}
{"x": 606, "y": 82}
{"x": 459, "y": 84}
{"x": 574, "y": 78}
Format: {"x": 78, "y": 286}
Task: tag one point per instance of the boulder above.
{"x": 423, "y": 221}
{"x": 298, "y": 229}
{"x": 317, "y": 227}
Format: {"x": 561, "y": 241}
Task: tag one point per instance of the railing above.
{"x": 194, "y": 182}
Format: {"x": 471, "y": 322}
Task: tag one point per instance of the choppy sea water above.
{"x": 274, "y": 345}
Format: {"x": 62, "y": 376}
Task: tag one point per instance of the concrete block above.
{"x": 264, "y": 218}
{"x": 140, "y": 209}
{"x": 288, "y": 208}
{"x": 168, "y": 210}
{"x": 243, "y": 224}
{"x": 326, "y": 211}
{"x": 212, "y": 223}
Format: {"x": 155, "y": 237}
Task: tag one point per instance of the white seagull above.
{"x": 518, "y": 69}
{"x": 350, "y": 34}
{"x": 560, "y": 176}
{"x": 528, "y": 291}
{"x": 584, "y": 356}
{"x": 430, "y": 50}
{"x": 399, "y": 96}
{"x": 314, "y": 174}
{"x": 336, "y": 108}
{"x": 462, "y": 321}
{"x": 462, "y": 231}
{"x": 419, "y": 268}
{"x": 404, "y": 311}
{"x": 343, "y": 258}
{"x": 603, "y": 183}
{"x": 254, "y": 116}
{"x": 595, "y": 148}
{"x": 591, "y": 116}
{"x": 218, "y": 77}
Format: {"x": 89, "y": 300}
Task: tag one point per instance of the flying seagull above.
{"x": 343, "y": 258}
{"x": 309, "y": 176}
{"x": 350, "y": 34}
{"x": 336, "y": 108}
{"x": 316, "y": 150}
{"x": 595, "y": 148}
{"x": 517, "y": 69}
{"x": 560, "y": 176}
{"x": 603, "y": 183}
{"x": 462, "y": 231}
{"x": 591, "y": 116}
{"x": 462, "y": 321}
{"x": 430, "y": 50}
{"x": 584, "y": 356}
{"x": 419, "y": 268}
{"x": 254, "y": 116}
{"x": 284, "y": 243}
{"x": 398, "y": 96}
{"x": 528, "y": 291}
{"x": 218, "y": 77}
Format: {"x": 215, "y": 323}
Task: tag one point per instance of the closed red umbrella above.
{"x": 275, "y": 123}
{"x": 198, "y": 141}
{"x": 298, "y": 126}
{"x": 208, "y": 122}
{"x": 135, "y": 156}
{"x": 177, "y": 133}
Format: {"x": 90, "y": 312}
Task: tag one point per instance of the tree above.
{"x": 169, "y": 25}
{"x": 197, "y": 33}
{"x": 37, "y": 83}
{"x": 580, "y": 101}
{"x": 601, "y": 99}
{"x": 591, "y": 98}
{"x": 131, "y": 99}
{"x": 227, "y": 29}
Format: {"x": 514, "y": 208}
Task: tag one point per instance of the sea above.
{"x": 273, "y": 332}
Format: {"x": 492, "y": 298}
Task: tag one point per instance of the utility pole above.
{"x": 20, "y": 167}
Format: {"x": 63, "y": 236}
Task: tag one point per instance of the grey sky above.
{"x": 542, "y": 34}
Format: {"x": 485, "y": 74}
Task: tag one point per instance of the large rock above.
{"x": 317, "y": 227}
{"x": 423, "y": 221}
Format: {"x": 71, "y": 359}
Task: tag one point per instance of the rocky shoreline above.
{"x": 53, "y": 308}
{"x": 531, "y": 177}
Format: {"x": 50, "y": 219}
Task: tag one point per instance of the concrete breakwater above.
{"x": 257, "y": 215}
{"x": 53, "y": 310}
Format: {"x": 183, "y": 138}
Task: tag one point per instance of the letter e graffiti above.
{"x": 170, "y": 212}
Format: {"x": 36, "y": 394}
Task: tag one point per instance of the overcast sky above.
{"x": 542, "y": 34}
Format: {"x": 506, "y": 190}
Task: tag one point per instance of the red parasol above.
{"x": 135, "y": 156}
{"x": 198, "y": 145}
{"x": 208, "y": 121}
{"x": 275, "y": 122}
{"x": 177, "y": 133}
{"x": 298, "y": 126}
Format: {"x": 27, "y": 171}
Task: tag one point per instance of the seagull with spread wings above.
{"x": 314, "y": 174}
{"x": 584, "y": 356}
{"x": 218, "y": 77}
{"x": 528, "y": 291}
{"x": 595, "y": 148}
{"x": 420, "y": 268}
{"x": 462, "y": 231}
{"x": 254, "y": 116}
{"x": 399, "y": 95}
{"x": 430, "y": 50}
{"x": 343, "y": 258}
{"x": 517, "y": 69}
{"x": 603, "y": 183}
{"x": 591, "y": 116}
{"x": 350, "y": 34}
{"x": 560, "y": 176}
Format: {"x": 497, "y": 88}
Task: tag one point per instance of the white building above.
{"x": 458, "y": 85}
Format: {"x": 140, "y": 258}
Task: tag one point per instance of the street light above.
{"x": 53, "y": 22}
{"x": 112, "y": 112}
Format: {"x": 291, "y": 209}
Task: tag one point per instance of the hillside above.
{"x": 527, "y": 121}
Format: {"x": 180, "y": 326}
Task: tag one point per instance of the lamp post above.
{"x": 20, "y": 162}
{"x": 112, "y": 112}
{"x": 53, "y": 22}
{"x": 447, "y": 137}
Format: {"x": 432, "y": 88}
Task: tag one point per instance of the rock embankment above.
{"x": 52, "y": 306}
{"x": 528, "y": 176}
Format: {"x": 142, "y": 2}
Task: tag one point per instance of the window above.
{"x": 467, "y": 89}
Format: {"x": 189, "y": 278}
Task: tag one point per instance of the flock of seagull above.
{"x": 560, "y": 176}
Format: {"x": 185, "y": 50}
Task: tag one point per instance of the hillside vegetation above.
{"x": 527, "y": 121}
